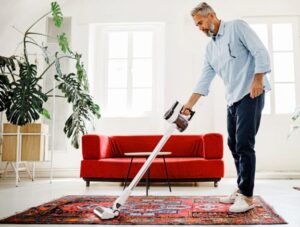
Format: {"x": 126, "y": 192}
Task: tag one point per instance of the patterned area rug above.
{"x": 151, "y": 210}
{"x": 297, "y": 188}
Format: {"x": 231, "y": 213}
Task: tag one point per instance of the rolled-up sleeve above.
{"x": 207, "y": 75}
{"x": 257, "y": 49}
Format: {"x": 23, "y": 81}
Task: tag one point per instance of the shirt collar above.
{"x": 220, "y": 31}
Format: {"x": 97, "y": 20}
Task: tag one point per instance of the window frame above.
{"x": 100, "y": 32}
{"x": 269, "y": 21}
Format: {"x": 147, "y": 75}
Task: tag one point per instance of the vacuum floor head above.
{"x": 105, "y": 213}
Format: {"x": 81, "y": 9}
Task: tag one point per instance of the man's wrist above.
{"x": 259, "y": 76}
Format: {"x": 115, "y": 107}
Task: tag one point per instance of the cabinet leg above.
{"x": 5, "y": 170}
{"x": 33, "y": 171}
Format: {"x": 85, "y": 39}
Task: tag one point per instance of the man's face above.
{"x": 205, "y": 24}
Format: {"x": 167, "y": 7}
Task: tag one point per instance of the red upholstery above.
{"x": 181, "y": 146}
{"x": 95, "y": 147}
{"x": 213, "y": 146}
{"x": 193, "y": 157}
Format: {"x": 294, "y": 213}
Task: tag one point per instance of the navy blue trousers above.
{"x": 243, "y": 119}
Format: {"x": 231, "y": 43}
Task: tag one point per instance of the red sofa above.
{"x": 194, "y": 158}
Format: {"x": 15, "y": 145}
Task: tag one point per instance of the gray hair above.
{"x": 202, "y": 9}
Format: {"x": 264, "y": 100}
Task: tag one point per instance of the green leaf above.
{"x": 8, "y": 63}
{"x": 75, "y": 125}
{"x": 27, "y": 98}
{"x": 45, "y": 113}
{"x": 57, "y": 14}
{"x": 63, "y": 43}
{"x": 4, "y": 92}
{"x": 81, "y": 73}
{"x": 83, "y": 107}
{"x": 12, "y": 64}
{"x": 27, "y": 72}
{"x": 57, "y": 65}
{"x": 69, "y": 86}
{"x": 2, "y": 61}
{"x": 83, "y": 110}
{"x": 45, "y": 54}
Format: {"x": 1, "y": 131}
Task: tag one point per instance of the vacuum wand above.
{"x": 178, "y": 121}
{"x": 153, "y": 155}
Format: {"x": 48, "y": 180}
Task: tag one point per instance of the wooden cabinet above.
{"x": 9, "y": 143}
{"x": 33, "y": 147}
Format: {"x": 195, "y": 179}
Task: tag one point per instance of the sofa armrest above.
{"x": 95, "y": 146}
{"x": 213, "y": 146}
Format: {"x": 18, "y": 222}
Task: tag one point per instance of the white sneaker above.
{"x": 240, "y": 204}
{"x": 230, "y": 198}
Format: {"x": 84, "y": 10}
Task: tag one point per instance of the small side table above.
{"x": 132, "y": 155}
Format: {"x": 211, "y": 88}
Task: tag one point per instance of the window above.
{"x": 279, "y": 35}
{"x": 132, "y": 57}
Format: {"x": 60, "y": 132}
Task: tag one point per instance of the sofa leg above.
{"x": 215, "y": 184}
{"x": 87, "y": 183}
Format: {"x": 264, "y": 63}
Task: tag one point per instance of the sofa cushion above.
{"x": 179, "y": 145}
{"x": 95, "y": 146}
{"x": 213, "y": 146}
{"x": 178, "y": 168}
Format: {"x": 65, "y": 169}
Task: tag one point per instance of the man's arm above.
{"x": 191, "y": 102}
{"x": 261, "y": 57}
{"x": 255, "y": 46}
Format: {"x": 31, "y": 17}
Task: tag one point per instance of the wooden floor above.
{"x": 278, "y": 193}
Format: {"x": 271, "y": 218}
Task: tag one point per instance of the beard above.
{"x": 210, "y": 32}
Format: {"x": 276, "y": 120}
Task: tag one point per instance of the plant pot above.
{"x": 33, "y": 147}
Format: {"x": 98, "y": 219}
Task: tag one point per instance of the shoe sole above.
{"x": 249, "y": 208}
{"x": 226, "y": 202}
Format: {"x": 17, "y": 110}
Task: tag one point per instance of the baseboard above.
{"x": 75, "y": 173}
{"x": 45, "y": 173}
{"x": 278, "y": 175}
{"x": 273, "y": 175}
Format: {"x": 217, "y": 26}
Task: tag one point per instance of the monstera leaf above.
{"x": 75, "y": 124}
{"x": 83, "y": 107}
{"x": 69, "y": 86}
{"x": 91, "y": 105}
{"x": 45, "y": 54}
{"x": 4, "y": 92}
{"x": 63, "y": 43}
{"x": 27, "y": 100}
{"x": 8, "y": 63}
{"x": 81, "y": 73}
{"x": 57, "y": 14}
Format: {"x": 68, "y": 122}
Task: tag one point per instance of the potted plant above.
{"x": 21, "y": 95}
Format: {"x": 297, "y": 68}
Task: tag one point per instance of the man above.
{"x": 238, "y": 56}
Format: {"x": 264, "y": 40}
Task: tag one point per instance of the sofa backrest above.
{"x": 179, "y": 145}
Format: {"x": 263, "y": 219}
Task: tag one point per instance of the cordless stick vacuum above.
{"x": 179, "y": 122}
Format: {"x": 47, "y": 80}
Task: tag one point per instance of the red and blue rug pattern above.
{"x": 141, "y": 210}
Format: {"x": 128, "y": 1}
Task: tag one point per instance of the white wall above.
{"x": 183, "y": 59}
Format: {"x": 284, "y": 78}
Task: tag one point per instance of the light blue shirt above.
{"x": 236, "y": 54}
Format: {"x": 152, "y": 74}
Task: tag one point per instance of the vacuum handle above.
{"x": 191, "y": 113}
